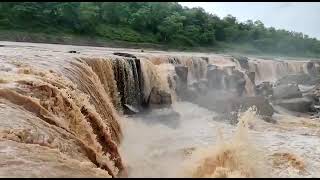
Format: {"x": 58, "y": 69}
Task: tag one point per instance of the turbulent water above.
{"x": 64, "y": 114}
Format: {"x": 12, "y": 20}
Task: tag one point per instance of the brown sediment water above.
{"x": 63, "y": 113}
{"x": 237, "y": 158}
{"x": 60, "y": 104}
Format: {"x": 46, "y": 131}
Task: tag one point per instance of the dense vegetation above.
{"x": 151, "y": 22}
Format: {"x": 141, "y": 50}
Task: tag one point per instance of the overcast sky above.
{"x": 296, "y": 16}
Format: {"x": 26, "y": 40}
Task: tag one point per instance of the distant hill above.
{"x": 164, "y": 25}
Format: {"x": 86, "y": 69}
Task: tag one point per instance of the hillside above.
{"x": 165, "y": 26}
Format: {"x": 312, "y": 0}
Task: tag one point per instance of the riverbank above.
{"x": 72, "y": 39}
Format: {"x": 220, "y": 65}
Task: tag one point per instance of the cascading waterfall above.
{"x": 84, "y": 118}
{"x": 153, "y": 78}
{"x": 267, "y": 70}
{"x": 104, "y": 70}
{"x": 129, "y": 81}
{"x": 196, "y": 68}
{"x": 67, "y": 113}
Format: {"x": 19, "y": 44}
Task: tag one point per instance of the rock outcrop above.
{"x": 286, "y": 91}
{"x": 302, "y": 104}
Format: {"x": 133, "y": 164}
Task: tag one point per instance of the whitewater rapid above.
{"x": 156, "y": 150}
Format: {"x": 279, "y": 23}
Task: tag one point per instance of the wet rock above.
{"x": 243, "y": 61}
{"x": 252, "y": 76}
{"x": 181, "y": 80}
{"x": 314, "y": 93}
{"x": 182, "y": 72}
{"x": 302, "y": 104}
{"x": 124, "y": 55}
{"x": 229, "y": 107}
{"x": 130, "y": 109}
{"x": 159, "y": 98}
{"x": 264, "y": 89}
{"x": 286, "y": 91}
{"x": 261, "y": 103}
{"x": 174, "y": 60}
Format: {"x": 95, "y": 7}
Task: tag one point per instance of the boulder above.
{"x": 261, "y": 103}
{"x": 225, "y": 102}
{"x": 159, "y": 98}
{"x": 286, "y": 91}
{"x": 264, "y": 89}
{"x": 302, "y": 104}
{"x": 228, "y": 106}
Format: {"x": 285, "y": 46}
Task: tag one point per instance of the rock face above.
{"x": 182, "y": 72}
{"x": 159, "y": 98}
{"x": 215, "y": 77}
{"x": 181, "y": 80}
{"x": 286, "y": 91}
{"x": 243, "y": 61}
{"x": 302, "y": 104}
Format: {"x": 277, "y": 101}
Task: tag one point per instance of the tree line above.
{"x": 151, "y": 22}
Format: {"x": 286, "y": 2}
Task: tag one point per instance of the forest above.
{"x": 165, "y": 23}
